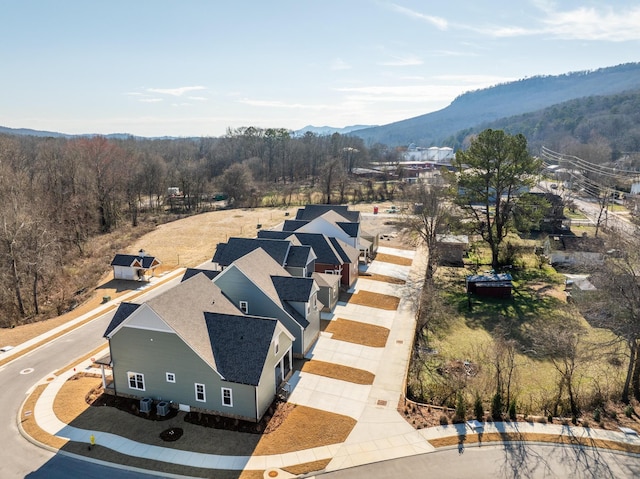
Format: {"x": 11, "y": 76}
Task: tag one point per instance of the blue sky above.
{"x": 183, "y": 68}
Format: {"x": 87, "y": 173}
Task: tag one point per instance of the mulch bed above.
{"x": 374, "y": 300}
{"x": 275, "y": 415}
{"x": 172, "y": 434}
{"x": 338, "y": 371}
{"x": 389, "y": 258}
{"x": 382, "y": 277}
{"x": 357, "y": 332}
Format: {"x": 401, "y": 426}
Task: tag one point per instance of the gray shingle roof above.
{"x": 259, "y": 268}
{"x": 123, "y": 312}
{"x": 182, "y": 308}
{"x": 299, "y": 256}
{"x": 234, "y": 248}
{"x": 293, "y": 225}
{"x": 347, "y": 252}
{"x": 350, "y": 228}
{"x": 311, "y": 212}
{"x": 240, "y": 345}
{"x": 274, "y": 234}
{"x": 191, "y": 272}
{"x": 322, "y": 247}
{"x": 128, "y": 260}
{"x": 292, "y": 288}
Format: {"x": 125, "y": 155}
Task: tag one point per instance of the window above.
{"x": 171, "y": 378}
{"x": 227, "y": 397}
{"x": 244, "y": 307}
{"x": 136, "y": 381}
{"x": 200, "y": 393}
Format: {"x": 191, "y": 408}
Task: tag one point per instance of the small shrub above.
{"x": 478, "y": 409}
{"x": 613, "y": 415}
{"x": 597, "y": 415}
{"x": 496, "y": 407}
{"x": 444, "y": 420}
{"x": 574, "y": 420}
{"x": 585, "y": 423}
{"x": 461, "y": 408}
{"x": 512, "y": 410}
{"x": 601, "y": 425}
{"x": 628, "y": 411}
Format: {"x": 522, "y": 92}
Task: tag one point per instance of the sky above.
{"x": 198, "y": 67}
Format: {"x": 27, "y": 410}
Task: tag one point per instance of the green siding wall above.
{"x": 155, "y": 353}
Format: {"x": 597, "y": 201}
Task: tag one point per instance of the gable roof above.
{"x": 325, "y": 279}
{"x": 322, "y": 247}
{"x": 234, "y": 248}
{"x": 293, "y": 225}
{"x": 259, "y": 268}
{"x": 300, "y": 256}
{"x": 240, "y": 345}
{"x": 132, "y": 260}
{"x": 182, "y": 308}
{"x": 311, "y": 212}
{"x": 291, "y": 288}
{"x": 123, "y": 312}
{"x": 348, "y": 253}
{"x": 274, "y": 234}
{"x": 191, "y": 272}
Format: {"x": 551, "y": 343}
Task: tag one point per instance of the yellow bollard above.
{"x": 92, "y": 440}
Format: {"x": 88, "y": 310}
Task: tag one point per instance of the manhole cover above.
{"x": 399, "y": 341}
{"x": 27, "y": 371}
{"x": 381, "y": 402}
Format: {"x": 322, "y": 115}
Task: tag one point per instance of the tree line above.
{"x": 58, "y": 193}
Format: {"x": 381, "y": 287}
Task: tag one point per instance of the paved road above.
{"x": 20, "y": 458}
{"x": 518, "y": 461}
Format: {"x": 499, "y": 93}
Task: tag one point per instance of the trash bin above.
{"x": 375, "y": 210}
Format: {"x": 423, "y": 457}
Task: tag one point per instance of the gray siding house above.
{"x": 192, "y": 348}
{"x": 257, "y": 285}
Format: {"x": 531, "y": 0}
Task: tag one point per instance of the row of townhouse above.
{"x": 224, "y": 339}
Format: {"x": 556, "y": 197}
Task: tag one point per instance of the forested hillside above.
{"x": 597, "y": 128}
{"x": 474, "y": 108}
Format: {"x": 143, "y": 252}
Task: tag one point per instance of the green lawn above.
{"x": 538, "y": 299}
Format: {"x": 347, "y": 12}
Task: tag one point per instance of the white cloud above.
{"x": 590, "y": 24}
{"x": 197, "y": 98}
{"x": 175, "y": 91}
{"x": 403, "y": 62}
{"x": 340, "y": 64}
{"x": 583, "y": 23}
{"x": 150, "y": 100}
{"x": 438, "y": 22}
{"x": 281, "y": 104}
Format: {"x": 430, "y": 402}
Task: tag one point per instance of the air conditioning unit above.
{"x": 162, "y": 409}
{"x": 145, "y": 404}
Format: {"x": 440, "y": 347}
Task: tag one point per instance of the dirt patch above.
{"x": 306, "y": 428}
{"x": 357, "y": 332}
{"x": 374, "y": 300}
{"x": 192, "y": 241}
{"x": 389, "y": 258}
{"x": 71, "y": 400}
{"x": 338, "y": 371}
{"x": 382, "y": 278}
{"x": 307, "y": 467}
